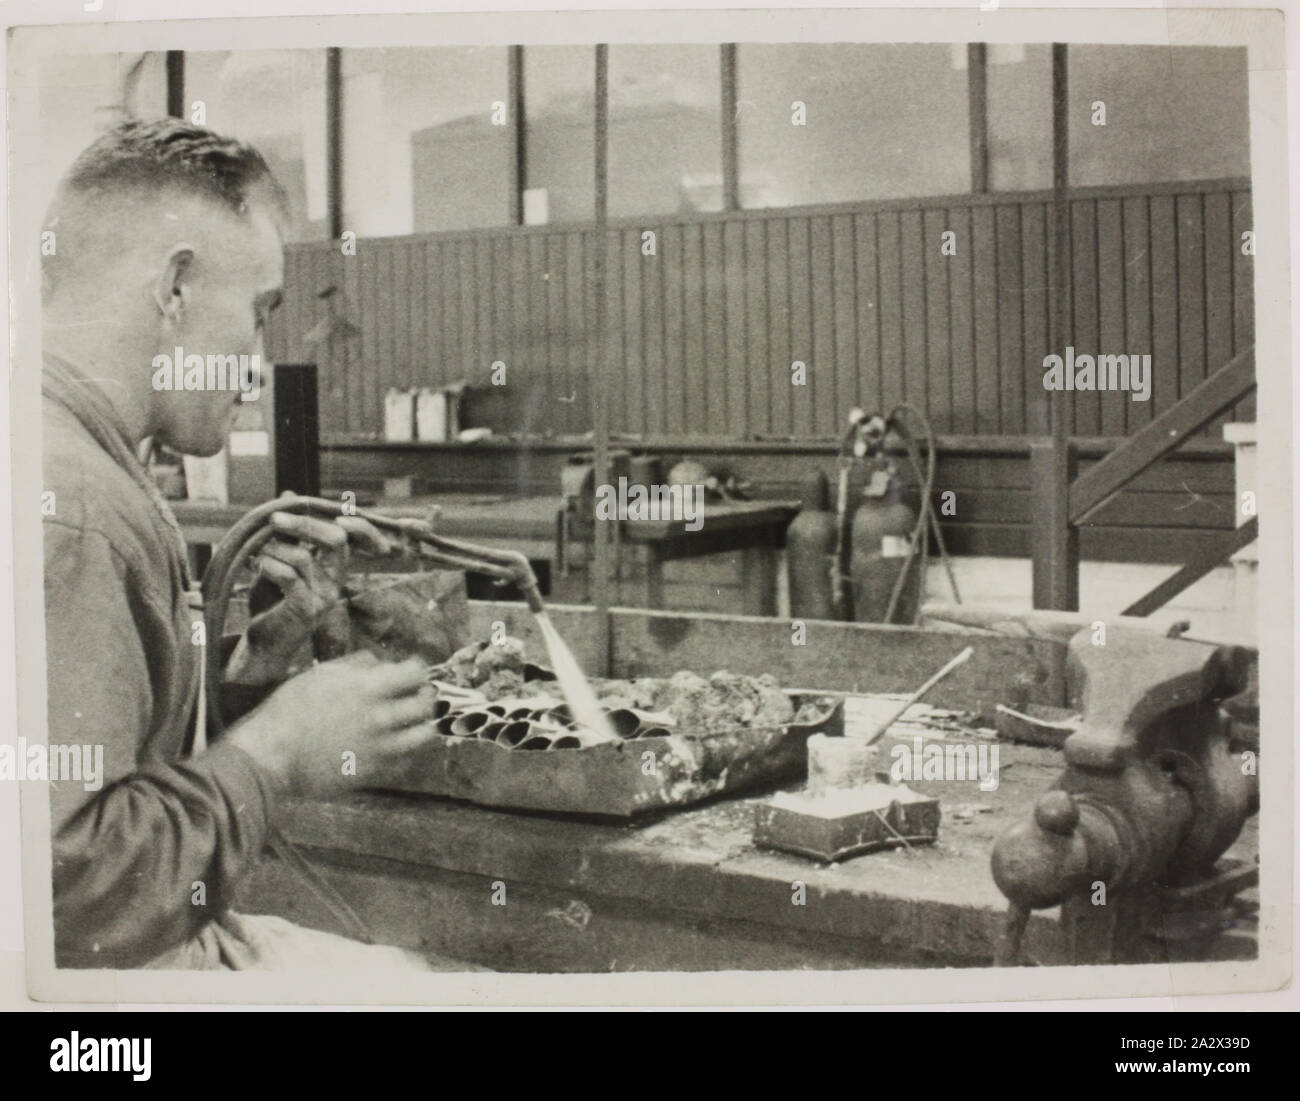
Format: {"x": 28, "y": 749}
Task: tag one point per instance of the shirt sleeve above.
{"x": 144, "y": 860}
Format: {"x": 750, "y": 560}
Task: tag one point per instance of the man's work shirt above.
{"x": 145, "y": 863}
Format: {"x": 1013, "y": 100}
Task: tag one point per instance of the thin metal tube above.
{"x": 599, "y": 376}
{"x": 513, "y": 734}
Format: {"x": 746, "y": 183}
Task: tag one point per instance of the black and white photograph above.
{"x": 796, "y": 504}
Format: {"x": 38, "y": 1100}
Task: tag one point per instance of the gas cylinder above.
{"x": 881, "y": 540}
{"x": 810, "y": 553}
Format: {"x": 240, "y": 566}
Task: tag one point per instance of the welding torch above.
{"x": 253, "y": 530}
{"x": 246, "y": 538}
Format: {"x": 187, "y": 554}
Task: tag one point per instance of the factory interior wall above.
{"x": 705, "y": 332}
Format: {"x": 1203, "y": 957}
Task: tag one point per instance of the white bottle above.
{"x": 399, "y": 416}
{"x": 431, "y": 415}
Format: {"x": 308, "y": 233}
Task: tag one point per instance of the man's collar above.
{"x": 82, "y": 396}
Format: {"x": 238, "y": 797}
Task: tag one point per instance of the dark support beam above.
{"x": 176, "y": 83}
{"x": 334, "y": 139}
{"x": 1060, "y": 401}
{"x": 977, "y": 86}
{"x": 519, "y": 121}
{"x": 1056, "y": 559}
{"x": 730, "y": 143}
{"x": 604, "y": 364}
{"x": 1223, "y": 389}
{"x": 1197, "y": 568}
{"x": 1052, "y": 460}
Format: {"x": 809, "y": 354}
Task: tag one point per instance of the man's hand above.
{"x": 379, "y": 712}
{"x": 306, "y": 560}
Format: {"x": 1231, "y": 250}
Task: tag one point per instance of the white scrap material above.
{"x": 837, "y": 803}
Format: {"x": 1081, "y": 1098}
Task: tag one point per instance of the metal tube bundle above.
{"x": 523, "y": 724}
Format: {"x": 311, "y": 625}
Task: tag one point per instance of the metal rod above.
{"x": 334, "y": 139}
{"x": 519, "y": 124}
{"x": 1056, "y": 539}
{"x": 600, "y": 373}
{"x": 1059, "y": 401}
{"x": 960, "y": 659}
{"x": 730, "y": 126}
{"x": 176, "y": 83}
{"x": 977, "y": 92}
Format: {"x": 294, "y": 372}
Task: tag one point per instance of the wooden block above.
{"x": 840, "y": 824}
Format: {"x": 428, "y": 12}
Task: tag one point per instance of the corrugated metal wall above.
{"x": 705, "y": 331}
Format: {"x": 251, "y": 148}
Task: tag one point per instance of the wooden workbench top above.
{"x": 930, "y": 904}
{"x": 689, "y": 890}
{"x": 701, "y": 861}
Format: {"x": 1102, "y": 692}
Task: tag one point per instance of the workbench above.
{"x": 687, "y": 889}
{"x": 754, "y": 530}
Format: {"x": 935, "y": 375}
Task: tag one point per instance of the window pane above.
{"x": 560, "y": 98}
{"x": 421, "y": 152}
{"x": 82, "y": 94}
{"x": 275, "y": 100}
{"x": 1019, "y": 105}
{"x": 665, "y": 129}
{"x": 1172, "y": 113}
{"x": 882, "y": 121}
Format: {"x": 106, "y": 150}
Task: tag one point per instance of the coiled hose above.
{"x": 926, "y": 515}
{"x": 241, "y": 543}
{"x": 252, "y": 531}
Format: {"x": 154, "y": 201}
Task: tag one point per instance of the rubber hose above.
{"x": 922, "y": 517}
{"x": 243, "y": 540}
{"x": 840, "y": 576}
{"x": 925, "y": 516}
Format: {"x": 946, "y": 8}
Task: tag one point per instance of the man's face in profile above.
{"x": 226, "y": 292}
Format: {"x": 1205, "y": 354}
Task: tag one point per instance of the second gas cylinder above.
{"x": 882, "y": 533}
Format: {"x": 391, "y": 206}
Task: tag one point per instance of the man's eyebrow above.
{"x": 270, "y": 300}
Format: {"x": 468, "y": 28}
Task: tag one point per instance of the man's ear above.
{"x": 170, "y": 291}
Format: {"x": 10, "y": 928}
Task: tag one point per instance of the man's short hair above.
{"x": 156, "y": 154}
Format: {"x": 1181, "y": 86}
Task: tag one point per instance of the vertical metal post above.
{"x": 1060, "y": 285}
{"x": 730, "y": 143}
{"x": 519, "y": 121}
{"x": 977, "y": 88}
{"x": 602, "y": 365}
{"x": 334, "y": 139}
{"x": 175, "y": 63}
{"x": 1056, "y": 540}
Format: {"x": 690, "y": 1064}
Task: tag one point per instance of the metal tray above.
{"x": 620, "y": 779}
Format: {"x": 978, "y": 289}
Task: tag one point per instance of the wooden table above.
{"x": 688, "y": 890}
{"x": 684, "y": 891}
{"x": 755, "y": 529}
